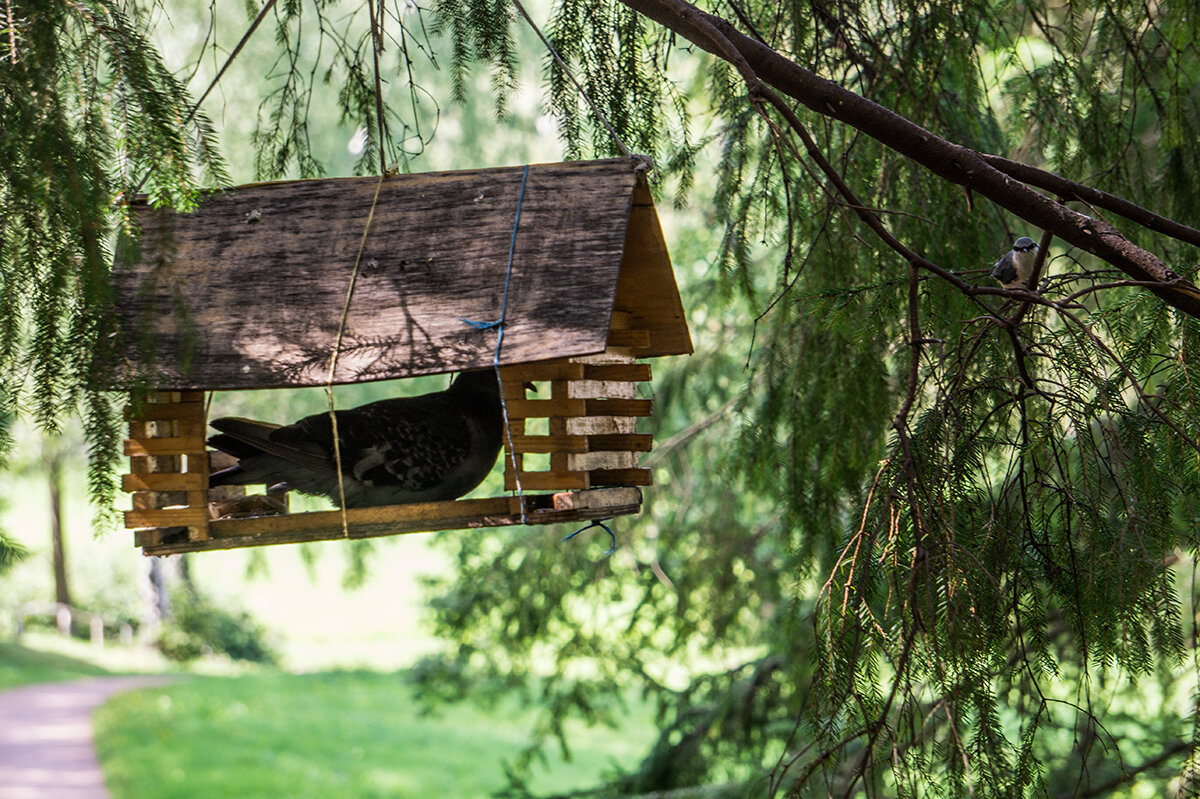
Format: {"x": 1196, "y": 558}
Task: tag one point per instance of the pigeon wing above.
{"x": 409, "y": 442}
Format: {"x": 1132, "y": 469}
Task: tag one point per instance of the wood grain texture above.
{"x": 167, "y": 517}
{"x": 163, "y": 482}
{"x": 156, "y": 411}
{"x": 168, "y": 477}
{"x": 400, "y": 519}
{"x": 647, "y": 288}
{"x": 248, "y": 291}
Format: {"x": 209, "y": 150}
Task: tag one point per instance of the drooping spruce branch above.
{"x": 88, "y": 108}
{"x": 1029, "y": 441}
{"x": 943, "y": 158}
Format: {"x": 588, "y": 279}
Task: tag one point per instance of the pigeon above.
{"x": 428, "y": 448}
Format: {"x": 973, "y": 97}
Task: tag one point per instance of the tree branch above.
{"x": 1126, "y": 775}
{"x": 1070, "y": 190}
{"x": 950, "y": 161}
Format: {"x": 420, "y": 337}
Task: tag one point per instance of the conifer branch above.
{"x": 1070, "y": 190}
{"x": 950, "y": 161}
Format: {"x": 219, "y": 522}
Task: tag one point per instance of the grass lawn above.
{"x": 333, "y": 734}
{"x": 49, "y": 657}
{"x": 20, "y": 665}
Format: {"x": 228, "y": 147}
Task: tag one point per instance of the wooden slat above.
{"x": 255, "y": 278}
{"x": 631, "y": 372}
{"x": 163, "y": 481}
{"x": 537, "y": 409}
{"x": 514, "y": 392}
{"x": 166, "y": 517}
{"x": 147, "y": 537}
{"x": 144, "y": 464}
{"x": 164, "y": 536}
{"x": 618, "y": 407}
{"x": 546, "y": 370}
{"x": 596, "y": 499}
{"x": 637, "y": 339}
{"x": 164, "y": 446}
{"x": 550, "y": 443}
{"x": 198, "y": 466}
{"x": 192, "y": 428}
{"x": 152, "y": 500}
{"x": 598, "y": 442}
{"x": 245, "y": 506}
{"x": 548, "y": 481}
{"x": 402, "y": 519}
{"x": 560, "y": 389}
{"x": 620, "y": 477}
{"x": 619, "y": 442}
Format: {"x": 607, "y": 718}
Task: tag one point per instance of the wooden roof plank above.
{"x": 247, "y": 291}
{"x": 647, "y": 288}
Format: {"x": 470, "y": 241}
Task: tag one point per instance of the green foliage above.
{"x": 90, "y": 113}
{"x": 907, "y": 538}
{"x": 372, "y": 86}
{"x": 198, "y": 627}
{"x": 929, "y": 542}
{"x": 12, "y": 552}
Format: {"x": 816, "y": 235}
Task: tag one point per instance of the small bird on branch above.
{"x": 1015, "y": 267}
{"x": 426, "y": 448}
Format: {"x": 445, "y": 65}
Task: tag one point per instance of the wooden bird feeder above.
{"x": 248, "y": 291}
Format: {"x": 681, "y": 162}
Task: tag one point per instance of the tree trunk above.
{"x": 62, "y": 591}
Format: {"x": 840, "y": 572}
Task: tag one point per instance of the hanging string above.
{"x": 598, "y": 523}
{"x": 498, "y": 325}
{"x": 333, "y": 359}
{"x": 376, "y": 46}
{"x": 645, "y": 162}
{"x": 376, "y": 49}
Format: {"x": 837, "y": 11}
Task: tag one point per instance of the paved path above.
{"x": 46, "y": 747}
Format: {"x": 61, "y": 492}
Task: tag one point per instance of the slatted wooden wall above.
{"x": 588, "y": 423}
{"x": 168, "y": 466}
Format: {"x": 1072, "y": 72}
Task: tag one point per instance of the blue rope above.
{"x": 498, "y": 325}
{"x": 602, "y": 526}
{"x": 512, "y": 248}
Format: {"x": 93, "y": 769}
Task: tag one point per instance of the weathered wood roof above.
{"x": 248, "y": 290}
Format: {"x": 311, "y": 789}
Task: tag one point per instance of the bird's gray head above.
{"x": 1024, "y": 244}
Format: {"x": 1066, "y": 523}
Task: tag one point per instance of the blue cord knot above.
{"x": 481, "y": 325}
{"x": 598, "y": 523}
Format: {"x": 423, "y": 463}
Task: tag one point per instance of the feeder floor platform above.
{"x": 567, "y": 506}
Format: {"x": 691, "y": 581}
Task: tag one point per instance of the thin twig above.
{"x": 376, "y": 49}
{"x": 191, "y": 114}
{"x": 571, "y": 76}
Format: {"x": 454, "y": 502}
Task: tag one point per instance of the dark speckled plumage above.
{"x": 427, "y": 448}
